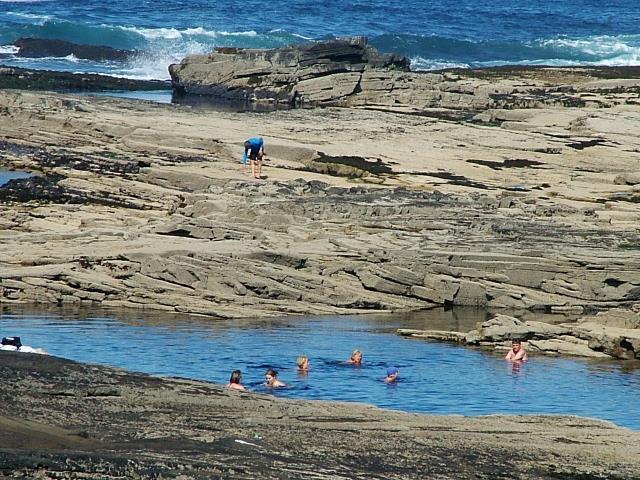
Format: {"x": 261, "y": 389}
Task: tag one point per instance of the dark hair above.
{"x": 13, "y": 341}
{"x": 236, "y": 375}
{"x": 272, "y": 372}
{"x": 516, "y": 340}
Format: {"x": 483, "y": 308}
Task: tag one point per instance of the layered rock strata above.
{"x": 349, "y": 72}
{"x": 145, "y": 206}
{"x": 317, "y": 73}
{"x": 611, "y": 334}
{"x": 63, "y": 420}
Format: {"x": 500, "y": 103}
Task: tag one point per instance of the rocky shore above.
{"x": 363, "y": 209}
{"x": 349, "y": 72}
{"x": 501, "y": 189}
{"x": 613, "y": 333}
{"x": 64, "y": 420}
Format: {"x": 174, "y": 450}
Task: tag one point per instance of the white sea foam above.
{"x": 31, "y": 16}
{"x": 154, "y": 65}
{"x": 297, "y": 35}
{"x": 154, "y": 33}
{"x": 175, "y": 34}
{"x": 420, "y": 64}
{"x": 250, "y": 33}
{"x": 603, "y": 46}
{"x": 72, "y": 58}
{"x": 9, "y": 49}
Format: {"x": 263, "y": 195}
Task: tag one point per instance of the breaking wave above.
{"x": 159, "y": 47}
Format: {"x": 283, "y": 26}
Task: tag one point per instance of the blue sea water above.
{"x": 434, "y": 34}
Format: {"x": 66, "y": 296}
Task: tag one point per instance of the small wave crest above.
{"x": 421, "y": 64}
{"x": 152, "y": 34}
{"x": 601, "y": 50}
{"x": 31, "y": 17}
{"x": 8, "y": 49}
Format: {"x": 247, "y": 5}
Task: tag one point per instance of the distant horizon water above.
{"x": 433, "y": 35}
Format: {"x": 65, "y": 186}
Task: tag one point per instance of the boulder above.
{"x": 471, "y": 294}
{"x": 629, "y": 178}
{"x": 615, "y": 317}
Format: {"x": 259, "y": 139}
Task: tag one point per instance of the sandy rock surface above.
{"x": 144, "y": 205}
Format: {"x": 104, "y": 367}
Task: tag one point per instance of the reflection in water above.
{"x": 516, "y": 366}
{"x": 435, "y": 378}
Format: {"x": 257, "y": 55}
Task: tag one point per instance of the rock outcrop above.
{"x": 318, "y": 73}
{"x": 47, "y": 47}
{"x": 30, "y": 79}
{"x": 351, "y": 73}
{"x": 145, "y": 206}
{"x": 612, "y": 334}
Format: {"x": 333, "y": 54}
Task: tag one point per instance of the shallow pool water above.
{"x": 434, "y": 377}
{"x": 6, "y": 175}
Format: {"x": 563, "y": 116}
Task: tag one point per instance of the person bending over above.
{"x": 254, "y": 151}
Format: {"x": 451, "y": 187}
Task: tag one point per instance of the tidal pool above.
{"x": 6, "y": 175}
{"x": 435, "y": 378}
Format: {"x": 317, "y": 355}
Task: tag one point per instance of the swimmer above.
{"x": 392, "y": 375}
{"x": 303, "y": 364}
{"x": 271, "y": 379}
{"x": 517, "y": 352}
{"x": 234, "y": 381}
{"x": 356, "y": 358}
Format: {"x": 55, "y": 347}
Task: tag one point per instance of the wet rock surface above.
{"x": 29, "y": 79}
{"x": 46, "y": 47}
{"x": 60, "y": 419}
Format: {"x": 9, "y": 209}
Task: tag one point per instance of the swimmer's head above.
{"x": 236, "y": 377}
{"x": 303, "y": 362}
{"x": 271, "y": 375}
{"x": 356, "y": 356}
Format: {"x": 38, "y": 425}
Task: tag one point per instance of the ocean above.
{"x": 433, "y": 34}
